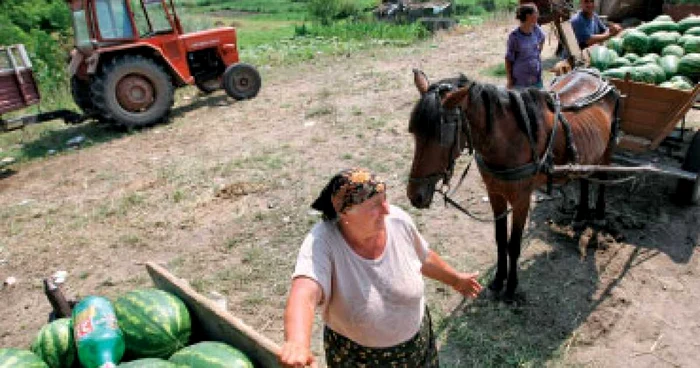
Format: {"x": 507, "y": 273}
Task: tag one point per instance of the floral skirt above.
{"x": 418, "y": 352}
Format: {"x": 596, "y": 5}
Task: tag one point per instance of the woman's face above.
{"x": 531, "y": 19}
{"x": 368, "y": 216}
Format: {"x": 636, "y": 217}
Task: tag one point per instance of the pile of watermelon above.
{"x": 661, "y": 52}
{"x": 156, "y": 327}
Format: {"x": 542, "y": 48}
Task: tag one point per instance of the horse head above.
{"x": 440, "y": 130}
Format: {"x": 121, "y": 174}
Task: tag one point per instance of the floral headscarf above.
{"x": 346, "y": 189}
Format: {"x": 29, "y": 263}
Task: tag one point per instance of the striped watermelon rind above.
{"x": 13, "y": 358}
{"x": 689, "y": 66}
{"x": 210, "y": 354}
{"x": 55, "y": 345}
{"x": 155, "y": 323}
{"x": 148, "y": 363}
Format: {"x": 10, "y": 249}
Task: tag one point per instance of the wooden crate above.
{"x": 211, "y": 323}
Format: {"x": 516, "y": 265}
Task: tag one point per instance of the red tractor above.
{"x": 130, "y": 55}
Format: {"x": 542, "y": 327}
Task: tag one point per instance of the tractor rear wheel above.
{"x": 688, "y": 191}
{"x": 80, "y": 90}
{"x": 241, "y": 81}
{"x": 133, "y": 91}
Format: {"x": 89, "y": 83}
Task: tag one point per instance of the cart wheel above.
{"x": 688, "y": 191}
{"x": 241, "y": 81}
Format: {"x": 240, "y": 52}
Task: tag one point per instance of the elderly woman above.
{"x": 362, "y": 267}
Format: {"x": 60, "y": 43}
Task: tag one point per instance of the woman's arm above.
{"x": 509, "y": 73}
{"x": 436, "y": 268}
{"x": 304, "y": 296}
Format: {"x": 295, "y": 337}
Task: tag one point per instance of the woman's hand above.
{"x": 467, "y": 284}
{"x": 295, "y": 355}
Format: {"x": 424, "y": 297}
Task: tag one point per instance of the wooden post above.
{"x": 61, "y": 307}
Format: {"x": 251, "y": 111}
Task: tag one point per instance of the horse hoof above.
{"x": 513, "y": 298}
{"x": 496, "y": 286}
{"x": 578, "y": 225}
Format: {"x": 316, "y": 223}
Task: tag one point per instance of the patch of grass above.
{"x": 498, "y": 70}
{"x": 320, "y": 111}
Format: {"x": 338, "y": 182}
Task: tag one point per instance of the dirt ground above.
{"x": 221, "y": 197}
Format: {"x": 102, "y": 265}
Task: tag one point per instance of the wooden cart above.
{"x": 211, "y": 323}
{"x": 650, "y": 116}
{"x": 18, "y": 90}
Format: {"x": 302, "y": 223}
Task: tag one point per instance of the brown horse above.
{"x": 514, "y": 134}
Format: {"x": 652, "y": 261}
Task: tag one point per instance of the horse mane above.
{"x": 493, "y": 99}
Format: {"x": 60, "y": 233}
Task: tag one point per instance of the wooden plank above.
{"x": 646, "y": 168}
{"x": 632, "y": 143}
{"x": 217, "y": 324}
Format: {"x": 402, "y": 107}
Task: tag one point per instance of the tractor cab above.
{"x": 129, "y": 55}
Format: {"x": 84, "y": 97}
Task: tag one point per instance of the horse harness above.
{"x": 453, "y": 121}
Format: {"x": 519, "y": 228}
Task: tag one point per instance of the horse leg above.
{"x": 520, "y": 211}
{"x": 499, "y": 205}
{"x": 600, "y": 202}
{"x": 583, "y": 211}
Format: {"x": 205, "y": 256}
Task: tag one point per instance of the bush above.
{"x": 326, "y": 11}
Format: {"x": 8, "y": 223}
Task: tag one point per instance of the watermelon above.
{"x": 601, "y": 57}
{"x": 619, "y": 73}
{"x": 688, "y": 23}
{"x": 14, "y": 358}
{"x": 659, "y": 40}
{"x": 148, "y": 363}
{"x": 678, "y": 82}
{"x": 695, "y": 31}
{"x": 692, "y": 44}
{"x": 636, "y": 42}
{"x": 689, "y": 66}
{"x": 211, "y": 355}
{"x": 55, "y": 345}
{"x": 643, "y": 74}
{"x": 663, "y": 17}
{"x": 649, "y": 58}
{"x": 673, "y": 50}
{"x": 669, "y": 64}
{"x": 615, "y": 43}
{"x": 632, "y": 57}
{"x": 155, "y": 323}
{"x": 619, "y": 62}
{"x": 681, "y": 79}
{"x": 682, "y": 39}
{"x": 659, "y": 74}
{"x": 656, "y": 26}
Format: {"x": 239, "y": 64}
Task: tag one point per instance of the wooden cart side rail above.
{"x": 679, "y": 114}
{"x": 219, "y": 324}
{"x": 650, "y": 113}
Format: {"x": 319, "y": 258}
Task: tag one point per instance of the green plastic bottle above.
{"x": 97, "y": 335}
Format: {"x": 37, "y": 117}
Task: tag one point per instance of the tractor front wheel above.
{"x": 688, "y": 191}
{"x": 241, "y": 81}
{"x": 133, "y": 91}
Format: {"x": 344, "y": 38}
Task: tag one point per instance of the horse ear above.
{"x": 452, "y": 99}
{"x": 421, "y": 81}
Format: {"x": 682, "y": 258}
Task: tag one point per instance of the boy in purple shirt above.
{"x": 523, "y": 63}
{"x": 588, "y": 27}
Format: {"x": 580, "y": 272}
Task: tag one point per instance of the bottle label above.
{"x": 83, "y": 324}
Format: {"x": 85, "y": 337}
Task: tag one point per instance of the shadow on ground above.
{"x": 568, "y": 302}
{"x": 95, "y": 132}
